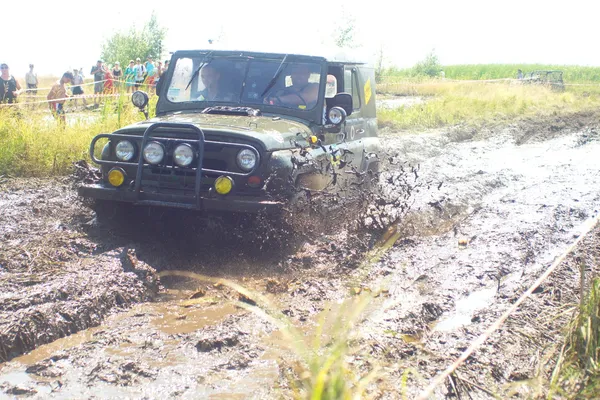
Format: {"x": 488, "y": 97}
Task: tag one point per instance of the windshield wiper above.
{"x": 274, "y": 78}
{"x": 206, "y": 60}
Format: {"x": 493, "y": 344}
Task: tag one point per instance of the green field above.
{"x": 572, "y": 73}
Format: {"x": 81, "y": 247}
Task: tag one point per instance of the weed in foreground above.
{"x": 577, "y": 371}
{"x": 321, "y": 368}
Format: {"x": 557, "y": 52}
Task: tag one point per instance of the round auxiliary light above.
{"x": 124, "y": 150}
{"x": 139, "y": 98}
{"x": 183, "y": 155}
{"x": 223, "y": 184}
{"x": 337, "y": 115}
{"x": 247, "y": 159}
{"x": 154, "y": 153}
{"x": 116, "y": 177}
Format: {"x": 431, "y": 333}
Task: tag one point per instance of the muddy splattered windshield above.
{"x": 245, "y": 81}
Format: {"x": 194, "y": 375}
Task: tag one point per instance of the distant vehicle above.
{"x": 278, "y": 125}
{"x": 552, "y": 78}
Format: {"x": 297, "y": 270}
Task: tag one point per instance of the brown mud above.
{"x": 477, "y": 216}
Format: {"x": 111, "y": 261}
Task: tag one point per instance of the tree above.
{"x": 430, "y": 66}
{"x": 345, "y": 35}
{"x": 125, "y": 46}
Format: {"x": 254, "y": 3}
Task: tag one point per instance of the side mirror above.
{"x": 343, "y": 100}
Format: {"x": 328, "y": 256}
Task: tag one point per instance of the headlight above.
{"x": 183, "y": 155}
{"x": 247, "y": 159}
{"x": 337, "y": 115}
{"x": 124, "y": 150}
{"x": 154, "y": 152}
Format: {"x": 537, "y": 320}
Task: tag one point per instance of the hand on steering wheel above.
{"x": 284, "y": 92}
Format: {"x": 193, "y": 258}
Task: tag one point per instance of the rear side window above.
{"x": 351, "y": 86}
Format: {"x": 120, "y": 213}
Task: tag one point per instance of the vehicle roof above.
{"x": 333, "y": 56}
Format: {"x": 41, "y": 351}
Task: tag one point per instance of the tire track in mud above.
{"x": 523, "y": 204}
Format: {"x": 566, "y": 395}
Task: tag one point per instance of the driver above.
{"x": 302, "y": 94}
{"x": 211, "y": 79}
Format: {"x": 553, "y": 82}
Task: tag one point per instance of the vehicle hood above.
{"x": 275, "y": 133}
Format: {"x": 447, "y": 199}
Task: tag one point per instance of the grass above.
{"x": 577, "y": 373}
{"x": 34, "y": 144}
{"x": 452, "y": 103}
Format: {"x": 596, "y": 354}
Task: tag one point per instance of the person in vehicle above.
{"x": 302, "y": 94}
{"x": 213, "y": 85}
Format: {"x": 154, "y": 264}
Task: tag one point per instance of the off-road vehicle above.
{"x": 551, "y": 78}
{"x": 245, "y": 132}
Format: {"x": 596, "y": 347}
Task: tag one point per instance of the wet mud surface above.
{"x": 471, "y": 219}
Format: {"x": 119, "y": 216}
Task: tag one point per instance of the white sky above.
{"x": 65, "y": 35}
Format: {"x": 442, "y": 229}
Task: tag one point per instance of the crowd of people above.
{"x": 108, "y": 79}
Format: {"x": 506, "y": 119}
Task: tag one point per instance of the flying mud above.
{"x": 460, "y": 223}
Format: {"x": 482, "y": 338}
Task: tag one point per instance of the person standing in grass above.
{"x": 76, "y": 89}
{"x": 58, "y": 95}
{"x": 117, "y": 73}
{"x": 140, "y": 73}
{"x": 31, "y": 80}
{"x": 130, "y": 76}
{"x": 99, "y": 72}
{"x": 9, "y": 86}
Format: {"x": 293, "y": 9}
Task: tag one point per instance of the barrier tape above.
{"x": 92, "y": 83}
{"x": 588, "y": 226}
{"x": 85, "y": 96}
{"x": 512, "y": 80}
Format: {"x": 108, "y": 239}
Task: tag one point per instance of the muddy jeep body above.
{"x": 295, "y": 147}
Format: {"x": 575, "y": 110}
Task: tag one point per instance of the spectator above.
{"x": 151, "y": 73}
{"x": 31, "y": 80}
{"x": 9, "y": 86}
{"x": 140, "y": 73}
{"x": 519, "y": 74}
{"x": 108, "y": 83}
{"x": 57, "y": 96}
{"x": 130, "y": 76}
{"x": 99, "y": 71}
{"x": 117, "y": 73}
{"x": 76, "y": 89}
{"x": 443, "y": 74}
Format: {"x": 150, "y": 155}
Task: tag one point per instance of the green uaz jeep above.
{"x": 245, "y": 132}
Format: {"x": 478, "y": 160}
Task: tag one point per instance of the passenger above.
{"x": 213, "y": 88}
{"x": 302, "y": 94}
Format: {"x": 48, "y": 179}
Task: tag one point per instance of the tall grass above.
{"x": 571, "y": 73}
{"x": 577, "y": 373}
{"x": 451, "y": 103}
{"x": 34, "y": 144}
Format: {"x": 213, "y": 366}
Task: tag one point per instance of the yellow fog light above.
{"x": 116, "y": 177}
{"x": 223, "y": 184}
{"x": 313, "y": 139}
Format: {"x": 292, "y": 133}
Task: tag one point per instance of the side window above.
{"x": 351, "y": 86}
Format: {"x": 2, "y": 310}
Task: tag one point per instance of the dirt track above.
{"x": 515, "y": 195}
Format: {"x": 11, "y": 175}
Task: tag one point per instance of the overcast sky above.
{"x": 60, "y": 36}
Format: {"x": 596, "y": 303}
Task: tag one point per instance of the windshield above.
{"x": 245, "y": 81}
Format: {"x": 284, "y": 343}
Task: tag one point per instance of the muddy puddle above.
{"x": 467, "y": 220}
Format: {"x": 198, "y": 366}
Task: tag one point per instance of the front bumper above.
{"x": 212, "y": 202}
